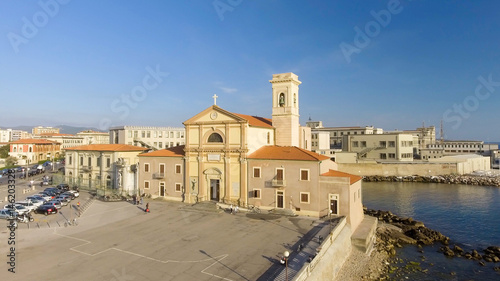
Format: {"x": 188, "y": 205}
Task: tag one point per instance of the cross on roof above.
{"x": 215, "y": 99}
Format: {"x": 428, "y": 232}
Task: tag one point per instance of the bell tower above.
{"x": 285, "y": 115}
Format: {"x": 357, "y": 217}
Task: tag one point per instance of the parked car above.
{"x": 53, "y": 190}
{"x": 35, "y": 201}
{"x": 49, "y": 194}
{"x": 73, "y": 193}
{"x": 64, "y": 200}
{"x": 56, "y": 203}
{"x": 44, "y": 196}
{"x": 29, "y": 205}
{"x": 7, "y": 214}
{"x": 20, "y": 209}
{"x": 63, "y": 186}
{"x": 5, "y": 172}
{"x": 46, "y": 209}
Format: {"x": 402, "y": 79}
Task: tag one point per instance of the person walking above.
{"x": 147, "y": 207}
{"x": 141, "y": 200}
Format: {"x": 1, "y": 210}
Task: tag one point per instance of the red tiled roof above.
{"x": 176, "y": 151}
{"x": 108, "y": 147}
{"x": 274, "y": 152}
{"x": 256, "y": 120}
{"x": 33, "y": 141}
{"x": 333, "y": 173}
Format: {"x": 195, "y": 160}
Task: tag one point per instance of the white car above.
{"x": 29, "y": 205}
{"x": 20, "y": 209}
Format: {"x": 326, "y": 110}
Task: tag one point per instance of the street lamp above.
{"x": 331, "y": 220}
{"x": 286, "y": 254}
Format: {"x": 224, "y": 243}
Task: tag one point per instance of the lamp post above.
{"x": 330, "y": 220}
{"x": 286, "y": 254}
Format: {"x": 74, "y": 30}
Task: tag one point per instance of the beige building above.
{"x": 66, "y": 140}
{"x": 380, "y": 147}
{"x": 248, "y": 160}
{"x": 99, "y": 166}
{"x": 151, "y": 137}
{"x": 336, "y": 134}
{"x": 33, "y": 150}
{"x": 44, "y": 130}
{"x": 94, "y": 137}
{"x": 449, "y": 148}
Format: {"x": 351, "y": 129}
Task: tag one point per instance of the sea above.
{"x": 469, "y": 215}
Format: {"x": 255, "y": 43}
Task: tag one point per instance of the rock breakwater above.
{"x": 448, "y": 179}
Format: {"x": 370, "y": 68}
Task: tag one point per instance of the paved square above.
{"x": 119, "y": 241}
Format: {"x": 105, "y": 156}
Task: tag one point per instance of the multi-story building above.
{"x": 425, "y": 136}
{"x": 151, "y": 137}
{"x": 380, "y": 147}
{"x": 94, "y": 137}
{"x": 337, "y": 133}
{"x": 34, "y": 150}
{"x": 66, "y": 140}
{"x": 19, "y": 135}
{"x": 452, "y": 147}
{"x": 103, "y": 166}
{"x": 44, "y": 130}
{"x": 5, "y": 136}
{"x": 247, "y": 160}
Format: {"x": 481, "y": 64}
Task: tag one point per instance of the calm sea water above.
{"x": 469, "y": 215}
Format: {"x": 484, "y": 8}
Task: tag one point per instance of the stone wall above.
{"x": 403, "y": 169}
{"x": 330, "y": 257}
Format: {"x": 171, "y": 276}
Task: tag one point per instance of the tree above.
{"x": 4, "y": 151}
{"x": 10, "y": 161}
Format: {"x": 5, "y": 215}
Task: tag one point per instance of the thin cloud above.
{"x": 228, "y": 90}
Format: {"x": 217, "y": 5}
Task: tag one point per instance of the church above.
{"x": 248, "y": 160}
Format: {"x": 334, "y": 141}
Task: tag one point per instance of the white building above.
{"x": 380, "y": 147}
{"x": 152, "y": 137}
{"x": 93, "y": 137}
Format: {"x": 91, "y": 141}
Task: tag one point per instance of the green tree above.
{"x": 10, "y": 161}
{"x": 4, "y": 151}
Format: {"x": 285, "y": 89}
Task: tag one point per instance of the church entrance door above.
{"x": 214, "y": 190}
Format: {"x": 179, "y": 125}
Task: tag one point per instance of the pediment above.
{"x": 213, "y": 115}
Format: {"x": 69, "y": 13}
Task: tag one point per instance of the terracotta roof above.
{"x": 274, "y": 152}
{"x": 333, "y": 173}
{"x": 176, "y": 151}
{"x": 33, "y": 141}
{"x": 256, "y": 120}
{"x": 108, "y": 147}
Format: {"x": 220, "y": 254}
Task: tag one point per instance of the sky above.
{"x": 394, "y": 65}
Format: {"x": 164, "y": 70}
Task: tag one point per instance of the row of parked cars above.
{"x": 47, "y": 202}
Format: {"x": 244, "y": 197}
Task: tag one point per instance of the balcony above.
{"x": 86, "y": 169}
{"x": 158, "y": 175}
{"x": 278, "y": 183}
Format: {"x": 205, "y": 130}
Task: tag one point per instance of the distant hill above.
{"x": 64, "y": 129}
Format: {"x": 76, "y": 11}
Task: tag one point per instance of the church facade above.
{"x": 248, "y": 160}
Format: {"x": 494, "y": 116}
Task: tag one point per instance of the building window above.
{"x": 146, "y": 167}
{"x": 90, "y": 161}
{"x": 382, "y": 144}
{"x": 81, "y": 160}
{"x": 304, "y": 197}
{"x": 392, "y": 156}
{"x": 280, "y": 174}
{"x": 304, "y": 175}
{"x": 177, "y": 169}
{"x": 108, "y": 162}
{"x": 178, "y": 187}
{"x": 383, "y": 156}
{"x": 70, "y": 160}
{"x": 143, "y": 134}
{"x": 392, "y": 144}
{"x": 255, "y": 193}
{"x": 146, "y": 184}
{"x": 160, "y": 145}
{"x": 98, "y": 161}
{"x": 363, "y": 143}
{"x": 256, "y": 172}
{"x": 215, "y": 138}
{"x": 355, "y": 144}
{"x": 268, "y": 138}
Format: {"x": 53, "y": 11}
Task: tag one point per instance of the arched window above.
{"x": 15, "y": 149}
{"x": 215, "y": 138}
{"x": 30, "y": 149}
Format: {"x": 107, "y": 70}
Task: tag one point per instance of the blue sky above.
{"x": 390, "y": 64}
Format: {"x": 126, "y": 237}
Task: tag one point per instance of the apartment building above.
{"x": 151, "y": 137}
{"x": 44, "y": 130}
{"x": 380, "y": 147}
{"x": 457, "y": 147}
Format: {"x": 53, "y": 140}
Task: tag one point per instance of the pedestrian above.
{"x": 236, "y": 209}
{"x": 231, "y": 209}
{"x": 147, "y": 207}
{"x": 41, "y": 183}
{"x": 141, "y": 200}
